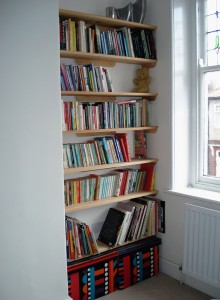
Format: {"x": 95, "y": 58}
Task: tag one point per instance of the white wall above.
{"x": 32, "y": 239}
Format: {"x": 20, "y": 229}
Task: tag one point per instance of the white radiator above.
{"x": 201, "y": 254}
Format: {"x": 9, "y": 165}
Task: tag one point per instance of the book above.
{"x": 131, "y": 210}
{"x": 111, "y": 227}
{"x": 142, "y": 210}
{"x": 150, "y": 169}
{"x": 123, "y": 140}
{"x": 124, "y": 226}
{"x": 140, "y": 146}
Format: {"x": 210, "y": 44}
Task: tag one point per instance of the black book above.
{"x": 111, "y": 227}
{"x": 138, "y": 43}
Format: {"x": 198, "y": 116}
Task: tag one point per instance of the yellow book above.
{"x": 72, "y": 36}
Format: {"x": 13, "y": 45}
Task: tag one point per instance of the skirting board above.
{"x": 202, "y": 286}
{"x": 169, "y": 268}
{"x": 172, "y": 269}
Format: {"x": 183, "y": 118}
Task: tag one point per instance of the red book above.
{"x": 123, "y": 140}
{"x": 140, "y": 144}
{"x": 123, "y": 182}
{"x": 149, "y": 183}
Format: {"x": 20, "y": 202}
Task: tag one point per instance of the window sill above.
{"x": 204, "y": 195}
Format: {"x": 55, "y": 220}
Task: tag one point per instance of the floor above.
{"x": 160, "y": 287}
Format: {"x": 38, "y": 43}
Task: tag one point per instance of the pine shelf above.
{"x": 149, "y": 96}
{"x": 133, "y": 162}
{"x": 96, "y": 58}
{"x": 91, "y": 132}
{"x": 112, "y": 200}
{"x": 104, "y": 21}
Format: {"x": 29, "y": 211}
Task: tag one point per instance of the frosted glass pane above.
{"x": 212, "y": 23}
{"x": 211, "y": 7}
{"x": 213, "y": 58}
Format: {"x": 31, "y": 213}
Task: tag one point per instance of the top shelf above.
{"x": 108, "y": 58}
{"x": 104, "y": 21}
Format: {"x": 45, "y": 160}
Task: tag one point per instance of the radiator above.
{"x": 201, "y": 253}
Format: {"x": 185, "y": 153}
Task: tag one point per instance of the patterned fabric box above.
{"x": 94, "y": 277}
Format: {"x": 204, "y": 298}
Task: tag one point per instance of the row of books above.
{"x": 80, "y": 241}
{"x": 138, "y": 218}
{"x": 100, "y": 150}
{"x": 114, "y": 184}
{"x": 77, "y": 36}
{"x": 85, "y": 78}
{"x": 104, "y": 115}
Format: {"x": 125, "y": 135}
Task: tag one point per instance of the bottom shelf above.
{"x": 112, "y": 200}
{"x": 105, "y": 249}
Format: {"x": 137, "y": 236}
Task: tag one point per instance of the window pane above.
{"x": 212, "y": 132}
{"x": 212, "y": 22}
{"x": 211, "y": 7}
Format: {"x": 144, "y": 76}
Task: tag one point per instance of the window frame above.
{"x": 198, "y": 180}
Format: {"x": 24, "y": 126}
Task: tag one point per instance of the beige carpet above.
{"x": 160, "y": 287}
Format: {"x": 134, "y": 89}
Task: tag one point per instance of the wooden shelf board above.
{"x": 133, "y": 162}
{"x": 150, "y": 96}
{"x": 112, "y": 200}
{"x": 104, "y": 248}
{"x": 90, "y": 132}
{"x": 101, "y": 20}
{"x": 86, "y": 56}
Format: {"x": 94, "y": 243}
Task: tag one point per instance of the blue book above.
{"x": 78, "y": 156}
{"x": 82, "y": 230}
{"x": 107, "y": 151}
{"x": 117, "y": 149}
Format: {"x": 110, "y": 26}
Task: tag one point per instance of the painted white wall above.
{"x": 32, "y": 236}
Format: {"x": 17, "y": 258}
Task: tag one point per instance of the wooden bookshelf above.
{"x": 91, "y": 132}
{"x": 103, "y": 247}
{"x": 112, "y": 200}
{"x": 149, "y": 96}
{"x": 99, "y": 59}
{"x": 84, "y": 57}
{"x": 103, "y": 21}
{"x": 133, "y": 162}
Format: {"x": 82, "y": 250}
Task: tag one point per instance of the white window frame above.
{"x": 198, "y": 180}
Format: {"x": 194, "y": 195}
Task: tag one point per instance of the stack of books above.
{"x": 80, "y": 241}
{"x": 138, "y": 218}
{"x": 105, "y": 115}
{"x": 85, "y": 78}
{"x": 101, "y": 150}
{"x": 114, "y": 184}
{"x": 78, "y": 36}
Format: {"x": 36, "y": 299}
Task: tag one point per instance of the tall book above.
{"x": 150, "y": 169}
{"x": 111, "y": 227}
{"x": 131, "y": 210}
{"x": 123, "y": 140}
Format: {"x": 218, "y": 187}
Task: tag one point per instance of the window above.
{"x": 208, "y": 166}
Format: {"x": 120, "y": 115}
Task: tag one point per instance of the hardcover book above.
{"x": 111, "y": 227}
